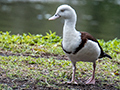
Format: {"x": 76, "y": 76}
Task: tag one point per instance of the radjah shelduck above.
{"x": 78, "y": 46}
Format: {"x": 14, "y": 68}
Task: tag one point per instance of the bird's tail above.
{"x": 106, "y": 55}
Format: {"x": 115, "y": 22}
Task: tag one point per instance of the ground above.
{"x": 18, "y": 83}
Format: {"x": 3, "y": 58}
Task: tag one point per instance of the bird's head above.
{"x": 65, "y": 11}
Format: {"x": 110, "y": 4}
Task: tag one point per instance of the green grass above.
{"x": 24, "y": 71}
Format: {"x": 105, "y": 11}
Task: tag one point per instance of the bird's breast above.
{"x": 89, "y": 53}
{"x": 70, "y": 43}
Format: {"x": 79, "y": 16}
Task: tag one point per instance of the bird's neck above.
{"x": 71, "y": 37}
{"x": 69, "y": 26}
{"x": 70, "y": 34}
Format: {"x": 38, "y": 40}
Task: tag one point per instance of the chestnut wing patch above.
{"x": 86, "y": 36}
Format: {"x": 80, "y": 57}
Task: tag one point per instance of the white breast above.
{"x": 71, "y": 40}
{"x": 89, "y": 53}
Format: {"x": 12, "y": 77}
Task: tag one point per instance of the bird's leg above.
{"x": 92, "y": 79}
{"x": 73, "y": 75}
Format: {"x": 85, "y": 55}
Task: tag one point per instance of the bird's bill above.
{"x": 54, "y": 17}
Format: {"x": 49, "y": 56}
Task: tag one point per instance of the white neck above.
{"x": 70, "y": 23}
{"x": 69, "y": 26}
{"x": 71, "y": 37}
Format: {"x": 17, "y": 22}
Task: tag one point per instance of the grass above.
{"x": 49, "y": 71}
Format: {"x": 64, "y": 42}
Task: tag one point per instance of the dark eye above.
{"x": 62, "y": 10}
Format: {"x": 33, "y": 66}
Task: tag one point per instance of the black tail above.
{"x": 105, "y": 55}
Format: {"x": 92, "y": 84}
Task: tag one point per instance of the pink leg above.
{"x": 73, "y": 75}
{"x": 92, "y": 79}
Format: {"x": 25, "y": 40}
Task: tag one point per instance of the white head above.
{"x": 65, "y": 11}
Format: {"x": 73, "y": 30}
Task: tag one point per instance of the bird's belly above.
{"x": 89, "y": 53}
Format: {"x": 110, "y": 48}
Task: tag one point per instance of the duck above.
{"x": 77, "y": 45}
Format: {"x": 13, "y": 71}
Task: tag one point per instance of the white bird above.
{"x": 78, "y": 46}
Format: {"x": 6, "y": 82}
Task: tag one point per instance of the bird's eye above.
{"x": 62, "y": 10}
